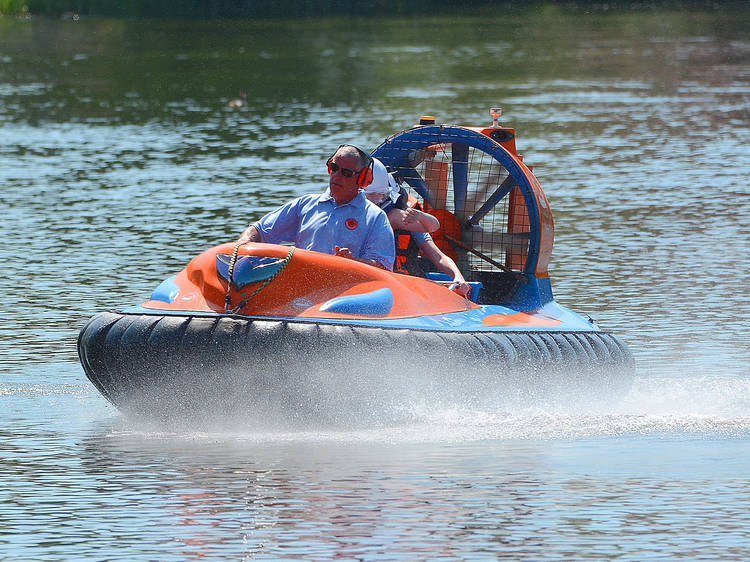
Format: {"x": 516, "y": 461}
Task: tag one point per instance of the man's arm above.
{"x": 279, "y": 226}
{"x": 412, "y": 220}
{"x": 251, "y": 234}
{"x": 446, "y": 265}
{"x": 380, "y": 246}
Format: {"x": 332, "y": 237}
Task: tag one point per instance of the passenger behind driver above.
{"x": 411, "y": 228}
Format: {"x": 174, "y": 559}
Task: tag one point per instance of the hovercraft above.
{"x": 262, "y": 326}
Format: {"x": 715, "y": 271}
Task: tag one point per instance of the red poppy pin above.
{"x": 351, "y": 224}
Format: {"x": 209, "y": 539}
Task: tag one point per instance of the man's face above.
{"x": 344, "y": 189}
{"x": 375, "y": 197}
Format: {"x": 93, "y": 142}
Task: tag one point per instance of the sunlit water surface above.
{"x": 119, "y": 161}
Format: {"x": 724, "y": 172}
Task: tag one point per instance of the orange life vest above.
{"x": 407, "y": 250}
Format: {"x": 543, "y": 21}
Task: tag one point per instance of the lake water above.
{"x": 120, "y": 161}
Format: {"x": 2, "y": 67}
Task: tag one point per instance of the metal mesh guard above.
{"x": 469, "y": 176}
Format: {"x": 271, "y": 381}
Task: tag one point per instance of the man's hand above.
{"x": 461, "y": 288}
{"x": 347, "y": 253}
{"x": 411, "y": 216}
{"x": 344, "y": 253}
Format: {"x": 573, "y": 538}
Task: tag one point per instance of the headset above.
{"x": 364, "y": 178}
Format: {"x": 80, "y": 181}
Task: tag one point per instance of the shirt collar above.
{"x": 359, "y": 200}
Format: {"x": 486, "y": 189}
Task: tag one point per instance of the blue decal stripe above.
{"x": 376, "y": 303}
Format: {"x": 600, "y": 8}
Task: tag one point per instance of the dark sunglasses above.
{"x": 346, "y": 172}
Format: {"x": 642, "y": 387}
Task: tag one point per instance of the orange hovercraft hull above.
{"x": 190, "y": 351}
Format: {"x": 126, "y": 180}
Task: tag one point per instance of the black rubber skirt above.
{"x": 233, "y": 366}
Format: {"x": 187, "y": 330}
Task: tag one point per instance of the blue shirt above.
{"x": 315, "y": 222}
{"x": 421, "y": 238}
